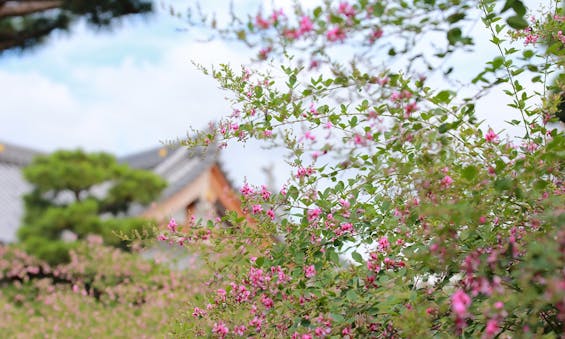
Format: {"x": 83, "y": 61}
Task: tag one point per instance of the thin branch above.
{"x": 11, "y": 8}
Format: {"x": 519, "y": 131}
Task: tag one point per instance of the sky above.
{"x": 130, "y": 89}
{"x": 119, "y": 91}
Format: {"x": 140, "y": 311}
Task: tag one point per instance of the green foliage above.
{"x": 71, "y": 190}
{"x": 75, "y": 171}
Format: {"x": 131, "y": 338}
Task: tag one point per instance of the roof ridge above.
{"x": 16, "y": 154}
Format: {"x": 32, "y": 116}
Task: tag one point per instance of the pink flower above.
{"x": 257, "y": 323}
{"x": 291, "y": 34}
{"x": 346, "y": 9}
{"x": 530, "y": 146}
{"x": 446, "y": 181}
{"x": 246, "y": 190}
{"x": 267, "y": 302}
{"x": 561, "y": 37}
{"x": 268, "y": 133}
{"x": 491, "y": 328}
{"x": 257, "y": 278}
{"x": 309, "y": 271}
{"x": 256, "y": 209}
{"x": 279, "y": 13}
{"x": 305, "y": 25}
{"x": 172, "y": 226}
{"x": 335, "y": 34}
{"x": 347, "y": 227}
{"x": 304, "y": 172}
{"x": 531, "y": 39}
{"x": 220, "y": 329}
{"x": 410, "y": 108}
{"x": 265, "y": 193}
{"x": 198, "y": 313}
{"x": 395, "y": 96}
{"x": 314, "y": 214}
{"x": 221, "y": 293}
{"x": 491, "y": 136}
{"x": 262, "y": 23}
{"x": 376, "y": 34}
{"x": 264, "y": 52}
{"x": 346, "y": 331}
{"x": 460, "y": 302}
{"x": 239, "y": 330}
{"x": 271, "y": 214}
{"x": 358, "y": 140}
{"x": 322, "y": 331}
{"x": 162, "y": 237}
{"x": 309, "y": 136}
{"x": 240, "y": 292}
{"x": 313, "y": 109}
{"x": 383, "y": 244}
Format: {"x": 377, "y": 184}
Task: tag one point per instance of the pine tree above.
{"x": 82, "y": 193}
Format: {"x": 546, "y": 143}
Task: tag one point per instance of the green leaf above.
{"x": 519, "y": 8}
{"x": 454, "y": 35}
{"x": 317, "y": 11}
{"x": 444, "y": 127}
{"x": 528, "y": 54}
{"x": 357, "y": 257}
{"x": 337, "y": 317}
{"x": 497, "y": 62}
{"x": 453, "y": 18}
{"x": 469, "y": 172}
{"x": 517, "y": 22}
{"x": 507, "y": 5}
{"x": 351, "y": 295}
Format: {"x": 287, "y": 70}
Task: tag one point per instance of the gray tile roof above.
{"x": 16, "y": 155}
{"x": 177, "y": 165}
{"x": 147, "y": 159}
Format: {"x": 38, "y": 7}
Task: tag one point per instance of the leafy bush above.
{"x": 404, "y": 216}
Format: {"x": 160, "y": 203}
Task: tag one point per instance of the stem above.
{"x": 510, "y": 77}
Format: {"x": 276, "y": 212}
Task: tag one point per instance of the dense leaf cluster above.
{"x": 83, "y": 194}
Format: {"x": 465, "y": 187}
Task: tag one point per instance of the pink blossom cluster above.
{"x": 309, "y": 271}
{"x": 460, "y": 303}
{"x": 530, "y": 37}
{"x": 304, "y": 172}
{"x": 491, "y": 136}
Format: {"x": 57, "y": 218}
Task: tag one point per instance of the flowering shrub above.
{"x": 403, "y": 216}
{"x": 102, "y": 292}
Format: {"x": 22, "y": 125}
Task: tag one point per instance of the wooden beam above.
{"x": 13, "y": 8}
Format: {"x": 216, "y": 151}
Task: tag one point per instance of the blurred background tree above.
{"x": 75, "y": 194}
{"x": 26, "y": 23}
